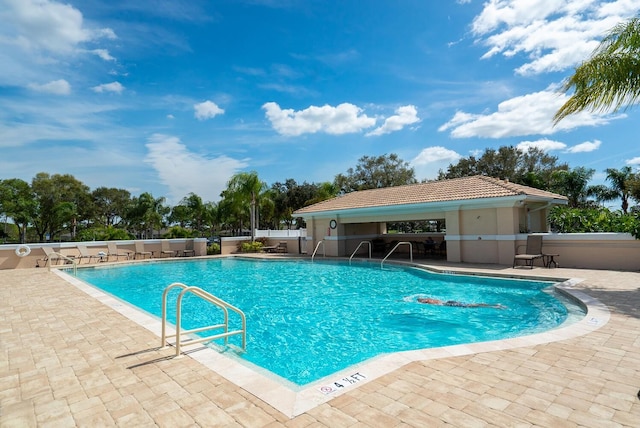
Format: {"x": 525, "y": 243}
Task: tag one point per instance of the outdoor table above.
{"x": 548, "y": 259}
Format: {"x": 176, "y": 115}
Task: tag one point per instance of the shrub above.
{"x": 213, "y": 249}
{"x": 251, "y": 247}
{"x": 178, "y": 232}
{"x": 103, "y": 234}
{"x": 589, "y": 220}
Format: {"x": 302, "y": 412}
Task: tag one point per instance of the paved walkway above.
{"x": 69, "y": 360}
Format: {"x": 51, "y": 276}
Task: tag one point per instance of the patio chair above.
{"x": 139, "y": 245}
{"x": 165, "y": 248}
{"x": 85, "y": 254}
{"x": 532, "y": 252}
{"x": 188, "y": 248}
{"x": 112, "y": 250}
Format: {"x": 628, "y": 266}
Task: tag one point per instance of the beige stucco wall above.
{"x": 9, "y": 260}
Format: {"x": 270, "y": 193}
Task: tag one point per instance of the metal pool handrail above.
{"x": 394, "y": 248}
{"x": 324, "y": 252}
{"x": 358, "y": 247}
{"x": 69, "y": 259}
{"x": 197, "y": 291}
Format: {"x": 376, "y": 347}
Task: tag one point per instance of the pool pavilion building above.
{"x": 482, "y": 219}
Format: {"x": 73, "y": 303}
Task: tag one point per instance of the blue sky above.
{"x": 173, "y": 97}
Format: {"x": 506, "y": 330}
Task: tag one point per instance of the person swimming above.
{"x": 438, "y": 302}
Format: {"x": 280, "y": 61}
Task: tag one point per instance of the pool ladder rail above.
{"x": 221, "y": 304}
{"x": 358, "y": 247}
{"x": 324, "y": 252}
{"x": 68, "y": 261}
{"x": 394, "y": 248}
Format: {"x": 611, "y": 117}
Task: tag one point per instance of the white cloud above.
{"x": 549, "y": 145}
{"x": 103, "y": 53}
{"x": 46, "y": 25}
{"x": 431, "y": 160}
{"x": 544, "y": 145}
{"x": 183, "y": 171}
{"x": 109, "y": 87}
{"x": 405, "y": 115}
{"x": 56, "y": 87}
{"x": 343, "y": 119}
{"x": 529, "y": 114}
{"x": 207, "y": 110}
{"x": 553, "y": 34}
{"x": 587, "y": 146}
{"x": 435, "y": 154}
{"x": 633, "y": 161}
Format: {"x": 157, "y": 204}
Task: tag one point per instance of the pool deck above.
{"x": 69, "y": 359}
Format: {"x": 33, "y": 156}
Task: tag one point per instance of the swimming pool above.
{"x": 308, "y": 320}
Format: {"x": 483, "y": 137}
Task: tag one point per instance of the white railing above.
{"x": 358, "y": 247}
{"x": 211, "y": 299}
{"x": 286, "y": 233}
{"x": 394, "y": 248}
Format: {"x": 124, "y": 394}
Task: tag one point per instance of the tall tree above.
{"x": 532, "y": 167}
{"x": 245, "y": 189}
{"x": 574, "y": 184}
{"x": 376, "y": 172}
{"x": 110, "y": 205}
{"x": 146, "y": 213}
{"x": 62, "y": 203}
{"x": 620, "y": 180}
{"x": 17, "y": 201}
{"x": 610, "y": 78}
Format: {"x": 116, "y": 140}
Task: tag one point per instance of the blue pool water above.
{"x": 307, "y": 320}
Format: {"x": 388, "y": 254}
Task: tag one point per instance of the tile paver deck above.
{"x": 69, "y": 360}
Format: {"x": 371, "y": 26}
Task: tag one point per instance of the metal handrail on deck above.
{"x": 68, "y": 259}
{"x": 324, "y": 251}
{"x": 358, "y": 247}
{"x": 394, "y": 248}
{"x": 197, "y": 291}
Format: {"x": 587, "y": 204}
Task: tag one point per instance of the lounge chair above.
{"x": 166, "y": 248}
{"x": 85, "y": 254}
{"x": 281, "y": 247}
{"x": 112, "y": 251}
{"x": 188, "y": 249}
{"x": 532, "y": 252}
{"x": 140, "y": 250}
{"x": 49, "y": 257}
{"x": 270, "y": 248}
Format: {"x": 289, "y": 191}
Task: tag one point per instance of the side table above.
{"x": 548, "y": 259}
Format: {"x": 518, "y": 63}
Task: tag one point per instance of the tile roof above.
{"x": 457, "y": 189}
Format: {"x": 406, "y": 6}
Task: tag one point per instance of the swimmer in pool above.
{"x": 438, "y": 302}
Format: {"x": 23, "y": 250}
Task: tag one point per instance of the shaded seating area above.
{"x": 532, "y": 252}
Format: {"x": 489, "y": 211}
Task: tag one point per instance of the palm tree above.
{"x": 147, "y": 213}
{"x": 245, "y": 188}
{"x": 610, "y": 78}
{"x": 621, "y": 184}
{"x": 573, "y": 184}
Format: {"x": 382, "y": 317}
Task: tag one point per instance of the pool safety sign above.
{"x": 342, "y": 383}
